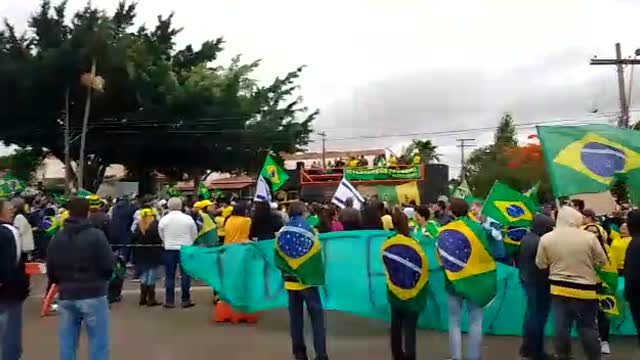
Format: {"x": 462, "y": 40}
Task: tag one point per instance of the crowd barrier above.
{"x": 244, "y": 275}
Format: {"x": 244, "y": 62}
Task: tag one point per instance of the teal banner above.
{"x": 245, "y": 276}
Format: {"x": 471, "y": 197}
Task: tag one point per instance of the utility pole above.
{"x": 67, "y": 154}
{"x": 463, "y": 146}
{"x": 619, "y": 62}
{"x": 324, "y": 149}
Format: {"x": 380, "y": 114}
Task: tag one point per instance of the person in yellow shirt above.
{"x": 618, "y": 248}
{"x": 223, "y": 214}
{"x": 237, "y": 227}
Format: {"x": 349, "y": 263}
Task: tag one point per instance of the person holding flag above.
{"x": 605, "y": 286}
{"x": 207, "y": 232}
{"x": 407, "y": 271}
{"x": 298, "y": 254}
{"x": 464, "y": 251}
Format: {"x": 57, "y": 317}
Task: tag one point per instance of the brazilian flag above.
{"x": 512, "y": 236}
{"x": 207, "y": 231}
{"x": 463, "y": 249}
{"x": 274, "y": 172}
{"x": 407, "y": 270}
{"x": 298, "y": 252}
{"x": 585, "y": 159}
{"x": 509, "y": 207}
{"x": 607, "y": 291}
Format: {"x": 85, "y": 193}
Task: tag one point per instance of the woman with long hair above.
{"x": 329, "y": 220}
{"x": 148, "y": 257}
{"x": 264, "y": 222}
{"x": 406, "y": 266}
{"x": 372, "y": 216}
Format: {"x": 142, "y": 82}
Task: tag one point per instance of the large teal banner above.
{"x": 246, "y": 277}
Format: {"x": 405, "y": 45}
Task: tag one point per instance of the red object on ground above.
{"x": 48, "y": 300}
{"x": 223, "y": 312}
{"x": 35, "y": 268}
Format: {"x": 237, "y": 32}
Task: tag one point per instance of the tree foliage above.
{"x": 173, "y": 110}
{"x": 427, "y": 150}
{"x": 22, "y": 163}
{"x": 518, "y": 166}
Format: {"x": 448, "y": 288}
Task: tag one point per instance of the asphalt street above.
{"x": 186, "y": 334}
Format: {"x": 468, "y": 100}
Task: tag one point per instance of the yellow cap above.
{"x": 203, "y": 204}
{"x": 227, "y": 211}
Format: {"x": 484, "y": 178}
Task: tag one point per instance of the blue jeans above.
{"x": 11, "y": 331}
{"x": 171, "y": 262}
{"x": 94, "y": 313}
{"x": 148, "y": 276}
{"x": 535, "y": 318}
{"x": 297, "y": 299}
{"x": 455, "y": 328}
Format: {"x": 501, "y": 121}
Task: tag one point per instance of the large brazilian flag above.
{"x": 463, "y": 249}
{"x": 585, "y": 159}
{"x": 298, "y": 252}
{"x": 407, "y": 270}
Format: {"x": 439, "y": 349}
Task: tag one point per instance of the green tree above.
{"x": 489, "y": 163}
{"x": 22, "y": 163}
{"x": 427, "y": 150}
{"x": 161, "y": 108}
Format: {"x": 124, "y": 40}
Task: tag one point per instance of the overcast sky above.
{"x": 385, "y": 67}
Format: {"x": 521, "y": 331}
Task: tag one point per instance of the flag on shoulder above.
{"x": 262, "y": 190}
{"x": 407, "y": 270}
{"x": 464, "y": 252}
{"x": 274, "y": 172}
{"x": 346, "y": 190}
{"x": 298, "y": 252}
{"x": 585, "y": 159}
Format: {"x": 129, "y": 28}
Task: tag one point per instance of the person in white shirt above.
{"x": 22, "y": 224}
{"x": 176, "y": 230}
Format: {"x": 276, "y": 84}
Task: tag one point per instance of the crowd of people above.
{"x": 558, "y": 261}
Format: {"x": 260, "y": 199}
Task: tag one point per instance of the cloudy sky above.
{"x": 379, "y": 68}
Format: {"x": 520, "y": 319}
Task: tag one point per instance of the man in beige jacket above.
{"x": 572, "y": 256}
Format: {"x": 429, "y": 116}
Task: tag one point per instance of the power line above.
{"x": 462, "y": 131}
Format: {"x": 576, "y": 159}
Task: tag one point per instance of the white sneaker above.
{"x": 605, "y": 348}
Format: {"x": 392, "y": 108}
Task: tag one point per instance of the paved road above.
{"x": 161, "y": 334}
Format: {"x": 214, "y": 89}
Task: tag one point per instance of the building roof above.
{"x": 332, "y": 154}
{"x": 228, "y": 183}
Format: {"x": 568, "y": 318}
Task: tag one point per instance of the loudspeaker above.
{"x": 436, "y": 183}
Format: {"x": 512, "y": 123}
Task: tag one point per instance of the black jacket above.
{"x": 150, "y": 256}
{"x": 80, "y": 260}
{"x": 121, "y": 220}
{"x": 631, "y": 266}
{"x": 530, "y": 274}
{"x": 14, "y": 282}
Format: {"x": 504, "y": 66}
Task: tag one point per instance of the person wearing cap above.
{"x": 207, "y": 232}
{"x": 148, "y": 256}
{"x": 97, "y": 216}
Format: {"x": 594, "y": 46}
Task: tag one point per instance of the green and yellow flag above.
{"x": 203, "y": 191}
{"x": 298, "y": 252}
{"x": 400, "y": 194}
{"x": 509, "y": 207}
{"x": 207, "y": 230}
{"x": 407, "y": 270}
{"x": 274, "y": 172}
{"x": 463, "y": 250}
{"x": 585, "y": 159}
{"x": 533, "y": 192}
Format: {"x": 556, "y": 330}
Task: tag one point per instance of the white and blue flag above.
{"x": 262, "y": 190}
{"x": 346, "y": 190}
